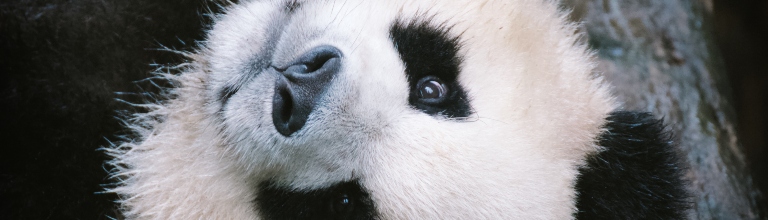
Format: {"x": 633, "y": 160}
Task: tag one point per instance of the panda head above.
{"x": 374, "y": 109}
{"x": 429, "y": 106}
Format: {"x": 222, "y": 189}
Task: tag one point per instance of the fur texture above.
{"x": 637, "y": 176}
{"x": 534, "y": 111}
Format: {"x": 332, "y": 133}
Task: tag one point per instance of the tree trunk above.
{"x": 660, "y": 57}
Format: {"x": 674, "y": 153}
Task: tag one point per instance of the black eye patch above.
{"x": 432, "y": 65}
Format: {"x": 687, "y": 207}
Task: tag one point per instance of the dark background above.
{"x": 63, "y": 62}
{"x": 741, "y": 32}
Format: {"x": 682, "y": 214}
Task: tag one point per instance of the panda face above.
{"x": 431, "y": 107}
{"x": 409, "y": 109}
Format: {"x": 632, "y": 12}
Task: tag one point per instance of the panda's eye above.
{"x": 432, "y": 61}
{"x": 431, "y": 88}
{"x": 342, "y": 204}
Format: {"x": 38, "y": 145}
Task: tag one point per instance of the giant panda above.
{"x": 403, "y": 109}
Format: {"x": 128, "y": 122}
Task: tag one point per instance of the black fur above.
{"x": 426, "y": 51}
{"x": 346, "y": 200}
{"x": 639, "y": 175}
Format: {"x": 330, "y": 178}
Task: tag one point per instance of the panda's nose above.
{"x": 299, "y": 87}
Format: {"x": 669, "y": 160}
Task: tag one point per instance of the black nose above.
{"x": 300, "y": 85}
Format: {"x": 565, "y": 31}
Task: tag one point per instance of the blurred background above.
{"x": 741, "y": 33}
{"x": 63, "y": 62}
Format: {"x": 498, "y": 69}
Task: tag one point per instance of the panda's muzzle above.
{"x": 300, "y": 85}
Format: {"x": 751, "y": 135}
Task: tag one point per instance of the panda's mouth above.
{"x": 299, "y": 85}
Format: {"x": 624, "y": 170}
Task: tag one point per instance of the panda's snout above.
{"x": 300, "y": 85}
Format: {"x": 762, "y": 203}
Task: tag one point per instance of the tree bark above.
{"x": 660, "y": 57}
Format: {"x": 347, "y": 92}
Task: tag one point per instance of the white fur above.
{"x": 538, "y": 109}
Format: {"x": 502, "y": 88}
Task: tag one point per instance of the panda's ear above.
{"x": 638, "y": 175}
